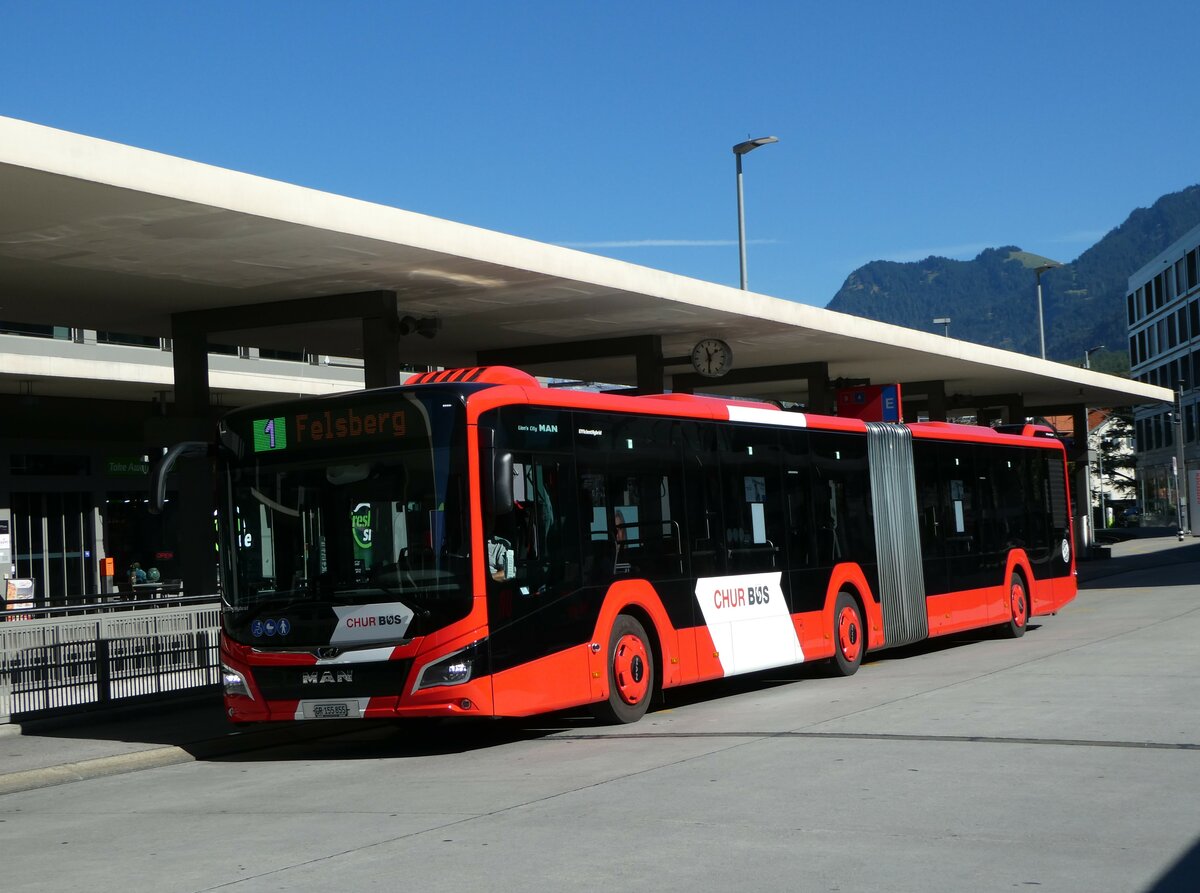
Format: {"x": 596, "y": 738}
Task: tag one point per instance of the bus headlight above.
{"x": 235, "y": 683}
{"x": 453, "y": 669}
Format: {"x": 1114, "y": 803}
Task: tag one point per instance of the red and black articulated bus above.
{"x": 474, "y": 544}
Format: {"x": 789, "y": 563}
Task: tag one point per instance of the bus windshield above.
{"x": 335, "y": 521}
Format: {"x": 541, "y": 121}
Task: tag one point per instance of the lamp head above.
{"x": 751, "y": 145}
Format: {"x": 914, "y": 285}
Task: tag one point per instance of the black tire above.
{"x": 1018, "y": 608}
{"x": 631, "y": 673}
{"x": 849, "y": 635}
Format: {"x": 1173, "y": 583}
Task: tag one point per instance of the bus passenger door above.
{"x": 534, "y": 613}
{"x": 704, "y": 535}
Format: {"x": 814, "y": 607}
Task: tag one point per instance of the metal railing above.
{"x": 83, "y": 657}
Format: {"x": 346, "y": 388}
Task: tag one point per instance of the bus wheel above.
{"x": 1018, "y": 603}
{"x": 630, "y": 673}
{"x": 849, "y": 641}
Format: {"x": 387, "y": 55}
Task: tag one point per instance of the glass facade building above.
{"x": 1163, "y": 311}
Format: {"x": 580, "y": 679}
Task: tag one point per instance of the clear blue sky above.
{"x": 906, "y": 129}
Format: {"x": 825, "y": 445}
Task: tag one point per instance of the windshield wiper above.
{"x": 418, "y": 606}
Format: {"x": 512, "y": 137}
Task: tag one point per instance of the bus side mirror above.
{"x": 502, "y": 483}
{"x": 188, "y": 449}
{"x": 495, "y": 473}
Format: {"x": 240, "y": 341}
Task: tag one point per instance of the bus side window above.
{"x": 704, "y": 529}
{"x": 842, "y": 498}
{"x": 598, "y": 538}
{"x": 798, "y": 495}
{"x": 536, "y": 530}
{"x": 750, "y": 471}
{"x": 929, "y": 514}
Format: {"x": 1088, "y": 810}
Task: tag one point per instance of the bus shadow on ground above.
{"x": 406, "y": 739}
{"x": 200, "y": 728}
{"x": 401, "y": 739}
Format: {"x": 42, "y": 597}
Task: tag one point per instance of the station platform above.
{"x": 51, "y": 752}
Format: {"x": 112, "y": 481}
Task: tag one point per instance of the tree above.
{"x": 1115, "y": 465}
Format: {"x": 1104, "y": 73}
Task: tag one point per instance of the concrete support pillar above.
{"x": 820, "y": 394}
{"x": 649, "y": 358}
{"x": 989, "y": 416}
{"x": 381, "y": 351}
{"x": 935, "y": 398}
{"x": 195, "y": 479}
{"x": 934, "y": 393}
{"x": 189, "y": 357}
{"x": 1082, "y": 484}
{"x": 682, "y": 384}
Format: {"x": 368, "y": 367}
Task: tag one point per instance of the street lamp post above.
{"x": 1038, "y": 271}
{"x": 1087, "y": 355}
{"x": 1180, "y": 466}
{"x": 944, "y": 322}
{"x": 738, "y": 151}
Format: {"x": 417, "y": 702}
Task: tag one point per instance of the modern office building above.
{"x": 1163, "y": 307}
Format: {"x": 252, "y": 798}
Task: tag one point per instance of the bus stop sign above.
{"x": 871, "y": 403}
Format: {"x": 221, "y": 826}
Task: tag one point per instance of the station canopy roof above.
{"x": 99, "y": 235}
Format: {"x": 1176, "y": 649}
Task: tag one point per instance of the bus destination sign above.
{"x": 329, "y": 427}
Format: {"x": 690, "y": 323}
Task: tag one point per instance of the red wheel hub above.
{"x": 1020, "y": 608}
{"x": 630, "y": 665}
{"x": 849, "y": 634}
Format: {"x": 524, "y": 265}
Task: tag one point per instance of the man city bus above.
{"x": 473, "y": 544}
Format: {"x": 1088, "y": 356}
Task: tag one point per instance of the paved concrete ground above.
{"x": 1065, "y": 760}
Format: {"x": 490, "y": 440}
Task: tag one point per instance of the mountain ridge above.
{"x": 992, "y": 299}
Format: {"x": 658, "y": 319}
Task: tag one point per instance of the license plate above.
{"x": 332, "y": 710}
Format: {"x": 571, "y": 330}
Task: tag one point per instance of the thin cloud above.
{"x": 664, "y": 243}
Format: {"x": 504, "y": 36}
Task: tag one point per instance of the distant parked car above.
{"x": 1131, "y": 517}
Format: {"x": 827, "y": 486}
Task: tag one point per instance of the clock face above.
{"x": 712, "y": 358}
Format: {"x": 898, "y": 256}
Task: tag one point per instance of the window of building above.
{"x": 269, "y": 354}
{"x": 49, "y": 465}
{"x": 127, "y": 340}
{"x": 20, "y": 328}
{"x": 1192, "y": 257}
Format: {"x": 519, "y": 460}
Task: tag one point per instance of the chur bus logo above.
{"x": 320, "y": 678}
